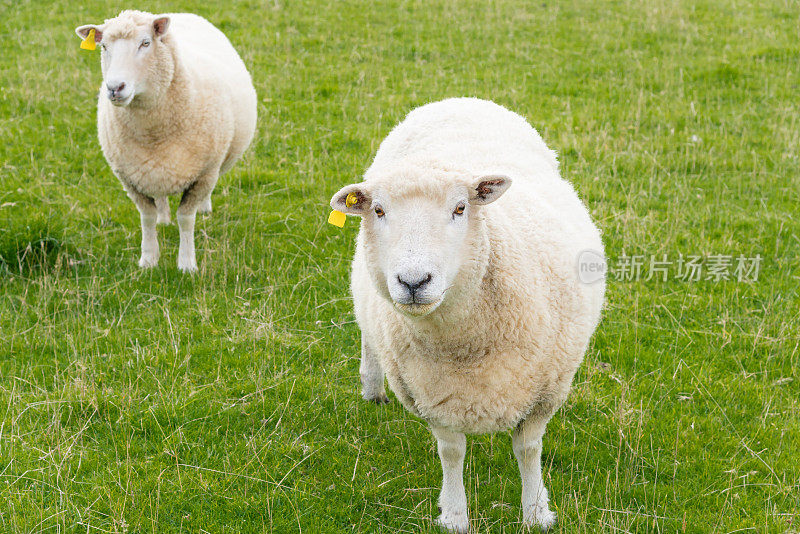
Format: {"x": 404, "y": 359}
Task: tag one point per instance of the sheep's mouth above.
{"x": 417, "y": 309}
{"x": 121, "y": 102}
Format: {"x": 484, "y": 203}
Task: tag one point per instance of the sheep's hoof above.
{"x": 377, "y": 398}
{"x": 454, "y": 522}
{"x": 539, "y": 516}
{"x": 187, "y": 266}
{"x": 148, "y": 262}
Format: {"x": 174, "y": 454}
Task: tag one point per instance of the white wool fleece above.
{"x": 493, "y": 335}
{"x": 177, "y": 109}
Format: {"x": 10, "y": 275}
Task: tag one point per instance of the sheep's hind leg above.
{"x": 162, "y": 206}
{"x": 372, "y": 385}
{"x": 527, "y": 444}
{"x": 148, "y": 216}
{"x": 186, "y": 214}
{"x": 452, "y": 447}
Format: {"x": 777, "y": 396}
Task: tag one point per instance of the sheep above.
{"x": 470, "y": 300}
{"x": 176, "y": 110}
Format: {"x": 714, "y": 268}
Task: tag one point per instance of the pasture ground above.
{"x": 151, "y": 401}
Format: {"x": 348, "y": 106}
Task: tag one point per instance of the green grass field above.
{"x": 151, "y": 401}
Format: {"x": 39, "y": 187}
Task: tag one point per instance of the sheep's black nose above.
{"x": 415, "y": 285}
{"x": 115, "y": 88}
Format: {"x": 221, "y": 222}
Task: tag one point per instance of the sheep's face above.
{"x": 418, "y": 238}
{"x": 134, "y": 60}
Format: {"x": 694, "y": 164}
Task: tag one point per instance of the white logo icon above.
{"x": 592, "y": 266}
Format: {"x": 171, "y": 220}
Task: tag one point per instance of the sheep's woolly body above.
{"x": 204, "y": 117}
{"x": 505, "y": 343}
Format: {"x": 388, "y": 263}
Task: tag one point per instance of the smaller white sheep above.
{"x": 176, "y": 110}
{"x": 468, "y": 299}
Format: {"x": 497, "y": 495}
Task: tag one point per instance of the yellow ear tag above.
{"x": 337, "y": 218}
{"x": 88, "y": 43}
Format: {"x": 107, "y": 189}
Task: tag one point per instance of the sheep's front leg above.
{"x": 186, "y": 213}
{"x": 452, "y": 447}
{"x": 148, "y": 216}
{"x": 162, "y": 206}
{"x": 372, "y": 385}
{"x": 527, "y": 444}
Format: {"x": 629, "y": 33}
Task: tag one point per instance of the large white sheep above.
{"x": 470, "y": 300}
{"x": 177, "y": 109}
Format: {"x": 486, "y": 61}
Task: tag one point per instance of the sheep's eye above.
{"x": 379, "y": 211}
{"x": 103, "y": 46}
{"x": 145, "y": 43}
{"x": 459, "y": 209}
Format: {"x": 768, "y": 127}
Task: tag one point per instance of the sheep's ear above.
{"x": 487, "y": 189}
{"x": 83, "y": 32}
{"x": 160, "y": 26}
{"x": 359, "y": 197}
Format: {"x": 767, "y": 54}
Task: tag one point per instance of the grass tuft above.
{"x": 34, "y": 245}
